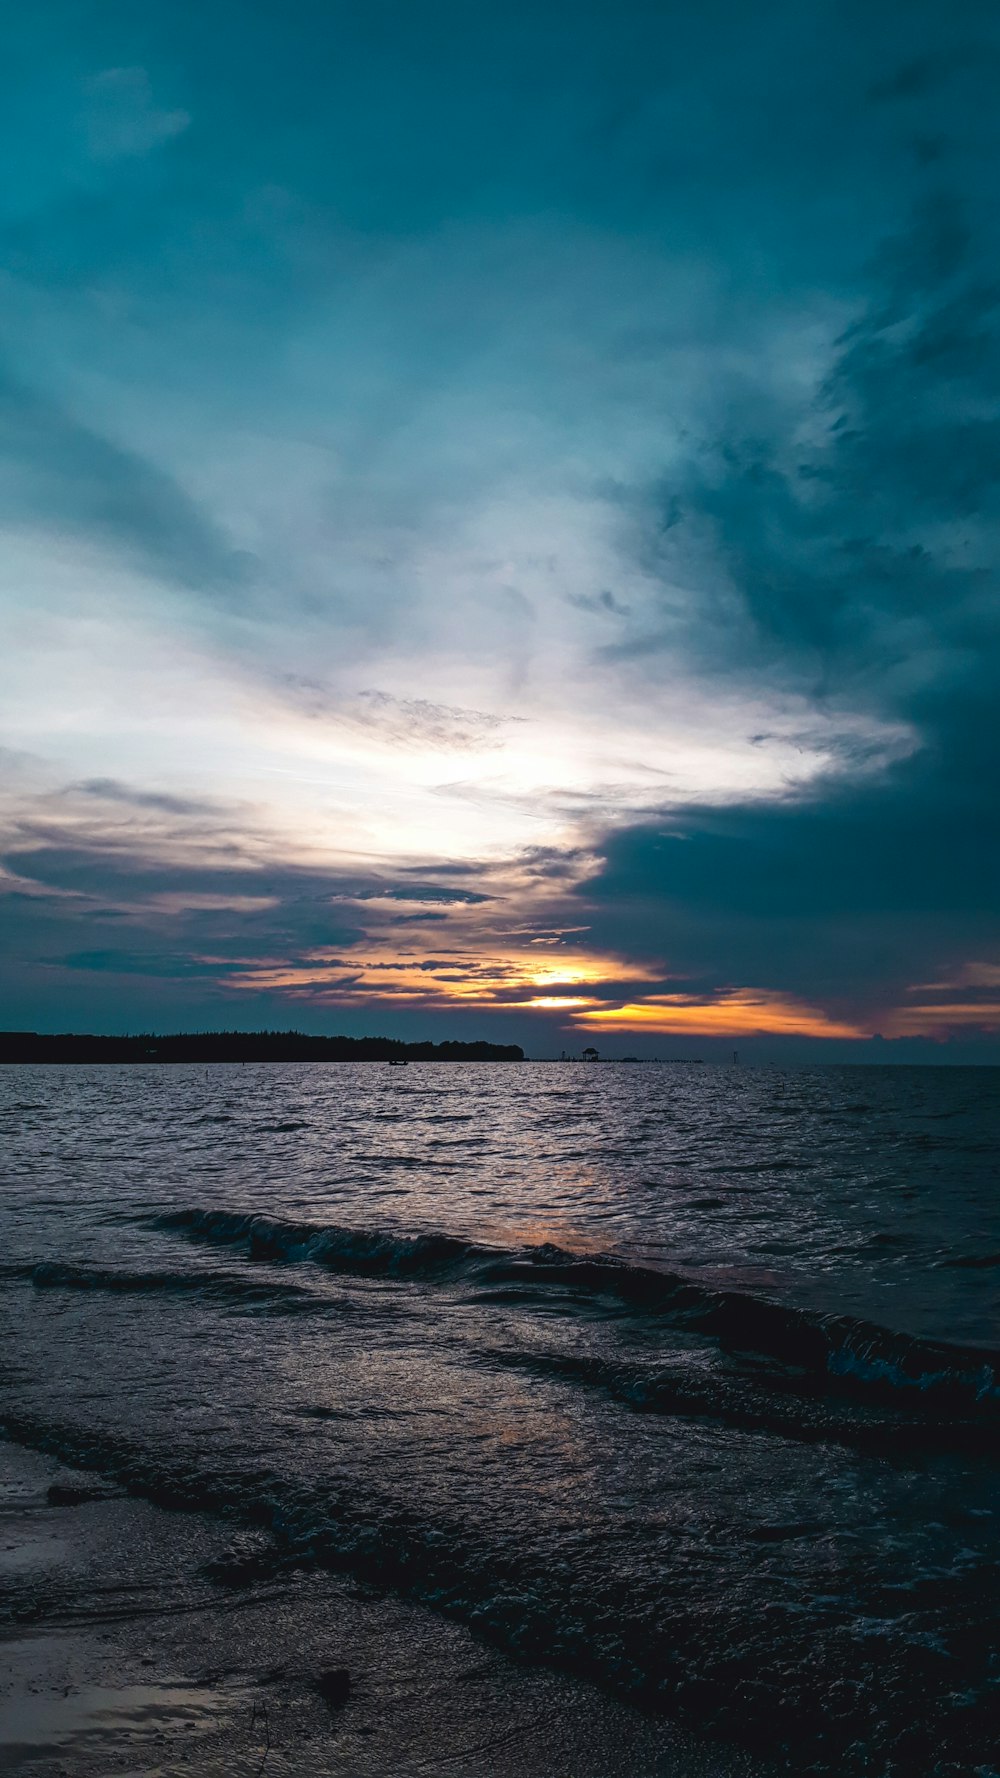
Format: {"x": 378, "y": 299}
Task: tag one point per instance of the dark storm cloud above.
{"x": 841, "y": 900}
{"x": 857, "y": 555}
{"x": 835, "y": 538}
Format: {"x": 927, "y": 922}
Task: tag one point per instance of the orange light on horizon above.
{"x": 741, "y": 1013}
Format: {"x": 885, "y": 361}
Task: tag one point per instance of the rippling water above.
{"x": 685, "y": 1377}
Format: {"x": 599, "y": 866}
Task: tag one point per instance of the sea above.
{"x": 685, "y": 1379}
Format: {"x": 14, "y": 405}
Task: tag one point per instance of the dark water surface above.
{"x": 686, "y": 1378}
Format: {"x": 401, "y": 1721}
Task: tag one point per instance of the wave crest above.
{"x": 847, "y": 1353}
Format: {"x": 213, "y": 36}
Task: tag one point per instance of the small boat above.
{"x": 395, "y": 1064}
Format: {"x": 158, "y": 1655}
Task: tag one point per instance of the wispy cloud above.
{"x": 65, "y": 477}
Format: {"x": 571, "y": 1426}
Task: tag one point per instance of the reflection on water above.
{"x": 619, "y": 1364}
{"x": 859, "y": 1189}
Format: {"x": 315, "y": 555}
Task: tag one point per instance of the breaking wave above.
{"x": 837, "y": 1352}
{"x": 273, "y": 1297}
{"x": 764, "y": 1403}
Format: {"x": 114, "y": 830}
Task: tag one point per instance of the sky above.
{"x": 501, "y": 523}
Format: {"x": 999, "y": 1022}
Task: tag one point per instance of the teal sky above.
{"x": 500, "y": 523}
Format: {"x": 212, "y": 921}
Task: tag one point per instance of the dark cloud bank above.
{"x": 866, "y": 568}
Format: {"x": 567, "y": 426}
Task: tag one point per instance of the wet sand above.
{"x": 141, "y": 1641}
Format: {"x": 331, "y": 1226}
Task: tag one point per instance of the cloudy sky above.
{"x": 501, "y": 522}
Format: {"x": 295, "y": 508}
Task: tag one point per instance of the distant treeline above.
{"x": 242, "y": 1046}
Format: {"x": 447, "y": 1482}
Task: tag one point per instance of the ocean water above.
{"x": 685, "y": 1378}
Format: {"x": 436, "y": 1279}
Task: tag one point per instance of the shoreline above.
{"x": 139, "y": 1640}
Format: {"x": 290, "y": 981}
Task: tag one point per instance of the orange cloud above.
{"x": 565, "y": 982}
{"x": 523, "y": 979}
{"x": 743, "y": 1012}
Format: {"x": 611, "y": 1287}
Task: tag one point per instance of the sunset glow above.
{"x": 452, "y": 976}
{"x": 732, "y": 1015}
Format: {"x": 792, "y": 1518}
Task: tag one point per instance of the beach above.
{"x": 134, "y": 1640}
